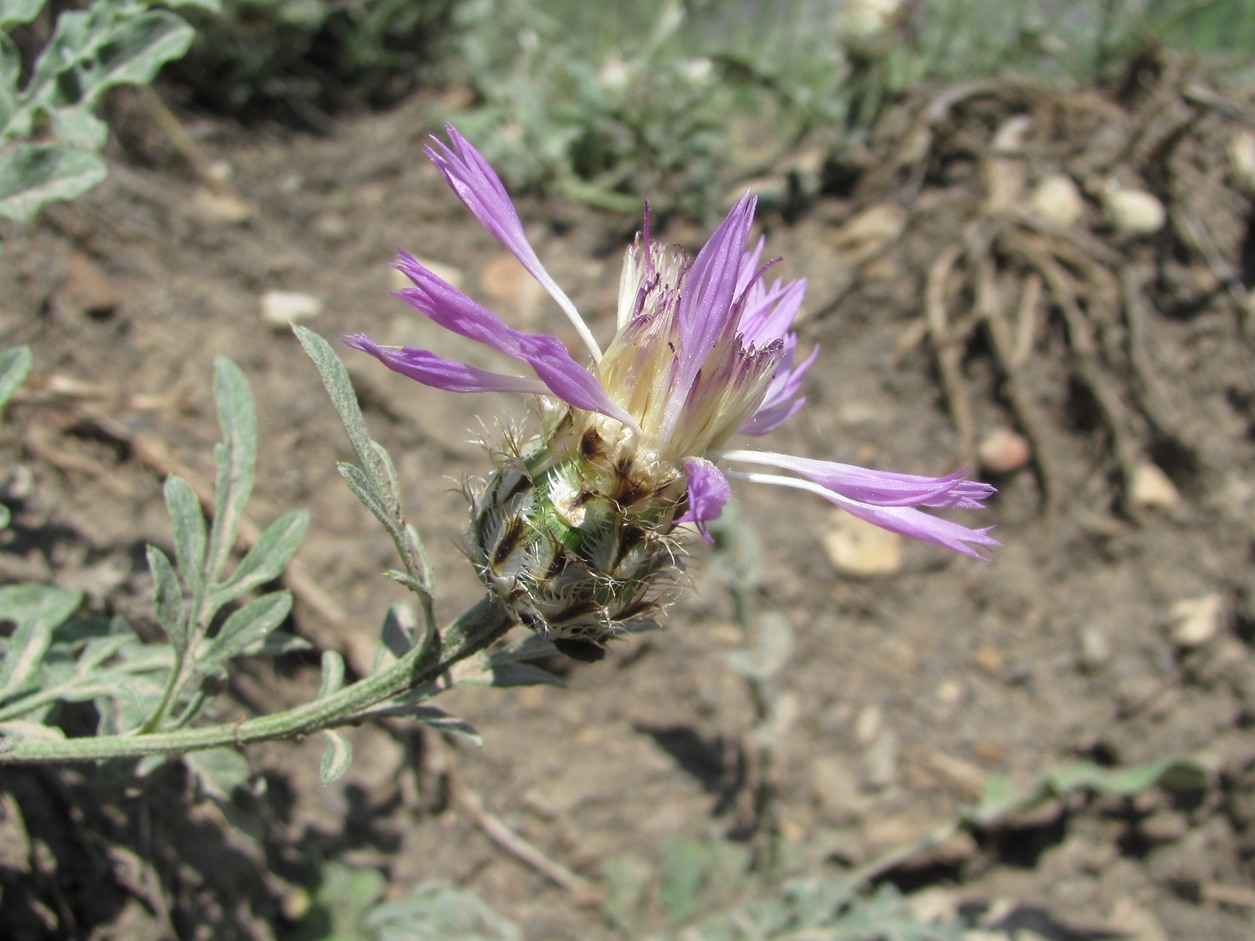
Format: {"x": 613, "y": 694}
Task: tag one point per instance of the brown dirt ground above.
{"x": 945, "y": 312}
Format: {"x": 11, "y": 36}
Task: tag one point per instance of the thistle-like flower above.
{"x": 574, "y": 527}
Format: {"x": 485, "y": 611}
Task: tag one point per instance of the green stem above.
{"x": 473, "y": 631}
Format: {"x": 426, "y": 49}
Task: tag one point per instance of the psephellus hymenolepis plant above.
{"x": 575, "y": 528}
{"x": 575, "y": 531}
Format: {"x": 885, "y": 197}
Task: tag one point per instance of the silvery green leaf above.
{"x": 336, "y": 757}
{"x": 236, "y": 459}
{"x": 774, "y": 648}
{"x": 409, "y": 581}
{"x": 37, "y": 610}
{"x": 31, "y": 731}
{"x": 219, "y": 771}
{"x": 34, "y": 174}
{"x": 1185, "y": 775}
{"x": 6, "y": 516}
{"x": 15, "y": 365}
{"x": 397, "y": 638}
{"x": 78, "y": 127}
{"x": 429, "y": 715}
{"x": 513, "y": 675}
{"x": 247, "y": 626}
{"x": 271, "y": 553}
{"x": 15, "y": 12}
{"x": 168, "y": 598}
{"x": 384, "y": 476}
{"x": 188, "y": 523}
{"x": 131, "y": 52}
{"x": 332, "y": 674}
{"x": 209, "y": 6}
{"x": 278, "y": 643}
{"x": 335, "y": 378}
{"x": 685, "y": 867}
{"x": 343, "y": 896}
{"x": 529, "y": 647}
{"x": 998, "y": 797}
{"x": 439, "y": 913}
{"x": 365, "y": 491}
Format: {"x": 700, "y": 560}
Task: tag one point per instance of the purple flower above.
{"x": 703, "y": 351}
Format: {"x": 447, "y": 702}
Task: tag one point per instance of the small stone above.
{"x": 1004, "y": 451}
{"x": 219, "y": 208}
{"x": 867, "y": 725}
{"x": 861, "y": 549}
{"x": 1151, "y": 488}
{"x": 950, "y": 692}
{"x": 1133, "y": 212}
{"x": 1195, "y": 621}
{"x": 279, "y": 309}
{"x": 1057, "y": 200}
{"x": 1242, "y": 159}
{"x": 1095, "y": 647}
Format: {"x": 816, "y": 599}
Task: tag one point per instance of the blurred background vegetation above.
{"x": 677, "y": 99}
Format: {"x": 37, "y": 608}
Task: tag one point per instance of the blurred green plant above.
{"x": 603, "y": 105}
{"x": 348, "y": 904}
{"x": 148, "y": 695}
{"x": 715, "y": 890}
{"x": 50, "y": 136}
{"x": 303, "y": 59}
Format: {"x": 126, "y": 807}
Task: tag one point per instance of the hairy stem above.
{"x": 473, "y": 631}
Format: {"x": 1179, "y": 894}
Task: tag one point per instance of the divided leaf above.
{"x": 271, "y": 553}
{"x": 36, "y": 610}
{"x": 236, "y": 459}
{"x": 188, "y": 523}
{"x": 245, "y": 627}
{"x": 168, "y": 599}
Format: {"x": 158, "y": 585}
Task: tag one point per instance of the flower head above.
{"x": 574, "y": 526}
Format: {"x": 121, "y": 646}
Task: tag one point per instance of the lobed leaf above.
{"x": 247, "y": 626}
{"x": 188, "y": 523}
{"x": 37, "y": 610}
{"x": 335, "y": 379}
{"x": 236, "y": 459}
{"x": 271, "y": 553}
{"x": 367, "y": 493}
{"x": 168, "y": 599}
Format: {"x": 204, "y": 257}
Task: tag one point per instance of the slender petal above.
{"x": 881, "y": 488}
{"x": 708, "y": 492}
{"x": 906, "y": 520}
{"x": 431, "y": 370}
{"x": 547, "y": 355}
{"x": 478, "y": 186}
